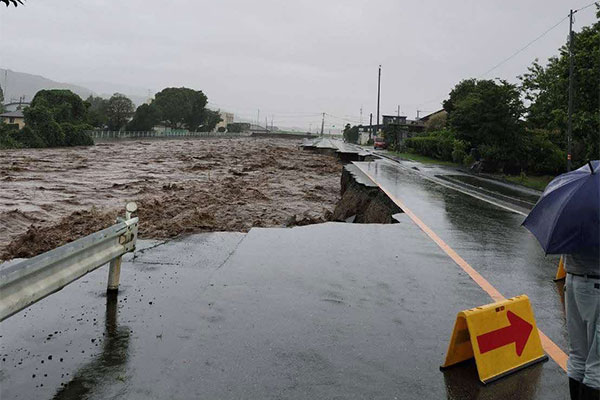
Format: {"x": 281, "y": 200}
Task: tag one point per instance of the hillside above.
{"x": 17, "y": 84}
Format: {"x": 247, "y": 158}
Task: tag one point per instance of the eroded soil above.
{"x": 49, "y": 197}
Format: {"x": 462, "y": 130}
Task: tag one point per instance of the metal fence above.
{"x": 29, "y": 281}
{"x": 108, "y": 135}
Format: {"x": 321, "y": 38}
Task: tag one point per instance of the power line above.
{"x": 523, "y": 48}
{"x": 518, "y": 51}
{"x": 584, "y": 7}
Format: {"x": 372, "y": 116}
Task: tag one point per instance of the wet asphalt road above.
{"x": 489, "y": 238}
{"x": 322, "y": 311}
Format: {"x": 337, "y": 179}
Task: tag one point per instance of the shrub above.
{"x": 425, "y": 145}
{"x": 51, "y": 134}
{"x": 7, "y": 137}
{"x": 459, "y": 152}
{"x": 540, "y": 155}
{"x": 491, "y": 158}
{"x": 438, "y": 145}
{"x": 445, "y": 147}
{"x": 468, "y": 160}
{"x": 28, "y": 138}
{"x": 75, "y": 134}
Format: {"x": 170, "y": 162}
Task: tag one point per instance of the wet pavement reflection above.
{"x": 461, "y": 383}
{"x": 106, "y": 366}
{"x": 489, "y": 238}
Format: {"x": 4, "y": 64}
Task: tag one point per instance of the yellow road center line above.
{"x": 549, "y": 346}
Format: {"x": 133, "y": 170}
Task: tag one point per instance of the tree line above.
{"x": 518, "y": 128}
{"x": 59, "y": 117}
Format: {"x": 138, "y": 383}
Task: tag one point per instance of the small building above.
{"x": 364, "y": 134}
{"x": 13, "y": 118}
{"x": 433, "y": 114}
{"x": 226, "y": 119}
{"x": 393, "y": 120}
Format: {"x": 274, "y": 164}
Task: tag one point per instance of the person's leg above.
{"x": 578, "y": 344}
{"x": 575, "y": 388}
{"x": 587, "y": 296}
{"x": 588, "y": 393}
{"x": 577, "y": 341}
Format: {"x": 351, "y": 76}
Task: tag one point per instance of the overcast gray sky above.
{"x": 291, "y": 59}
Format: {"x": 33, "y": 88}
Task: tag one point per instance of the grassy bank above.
{"x": 532, "y": 182}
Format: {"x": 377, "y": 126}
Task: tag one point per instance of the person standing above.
{"x": 582, "y": 298}
{"x": 566, "y": 220}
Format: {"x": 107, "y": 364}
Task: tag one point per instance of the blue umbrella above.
{"x": 566, "y": 218}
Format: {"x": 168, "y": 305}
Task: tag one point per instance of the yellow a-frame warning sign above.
{"x": 502, "y": 336}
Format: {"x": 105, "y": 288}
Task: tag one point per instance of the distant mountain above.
{"x": 18, "y": 84}
{"x": 106, "y": 89}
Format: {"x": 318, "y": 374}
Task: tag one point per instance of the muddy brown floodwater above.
{"x": 49, "y": 197}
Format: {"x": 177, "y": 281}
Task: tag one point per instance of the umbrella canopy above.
{"x": 566, "y": 218}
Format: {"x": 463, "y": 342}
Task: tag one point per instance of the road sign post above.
{"x": 502, "y": 337}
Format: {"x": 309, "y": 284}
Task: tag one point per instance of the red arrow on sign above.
{"x": 517, "y": 332}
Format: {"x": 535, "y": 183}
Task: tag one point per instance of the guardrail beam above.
{"x": 29, "y": 281}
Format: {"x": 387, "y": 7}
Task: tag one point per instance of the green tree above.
{"x": 546, "y": 90}
{"x": 210, "y": 121}
{"x": 199, "y": 114}
{"x": 40, "y": 120}
{"x": 351, "y": 133}
{"x": 118, "y": 111}
{"x": 174, "y": 106}
{"x": 184, "y": 107}
{"x": 146, "y": 117}
{"x": 63, "y": 105}
{"x": 96, "y": 111}
{"x": 485, "y": 112}
{"x": 55, "y": 118}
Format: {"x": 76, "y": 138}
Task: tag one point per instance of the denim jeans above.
{"x": 582, "y": 297}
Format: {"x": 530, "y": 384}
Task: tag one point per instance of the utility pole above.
{"x": 570, "y": 112}
{"x": 361, "y": 115}
{"x": 370, "y": 125}
{"x": 378, "y": 94}
{"x": 398, "y": 110}
{"x": 258, "y": 118}
{"x": 322, "y": 124}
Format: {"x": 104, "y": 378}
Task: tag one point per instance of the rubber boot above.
{"x": 575, "y": 388}
{"x": 588, "y": 393}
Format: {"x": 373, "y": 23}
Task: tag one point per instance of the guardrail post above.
{"x": 114, "y": 274}
{"x": 114, "y": 271}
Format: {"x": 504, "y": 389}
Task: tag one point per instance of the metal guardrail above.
{"x": 159, "y": 134}
{"x": 29, "y": 281}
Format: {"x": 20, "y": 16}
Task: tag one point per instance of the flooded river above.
{"x": 51, "y": 196}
